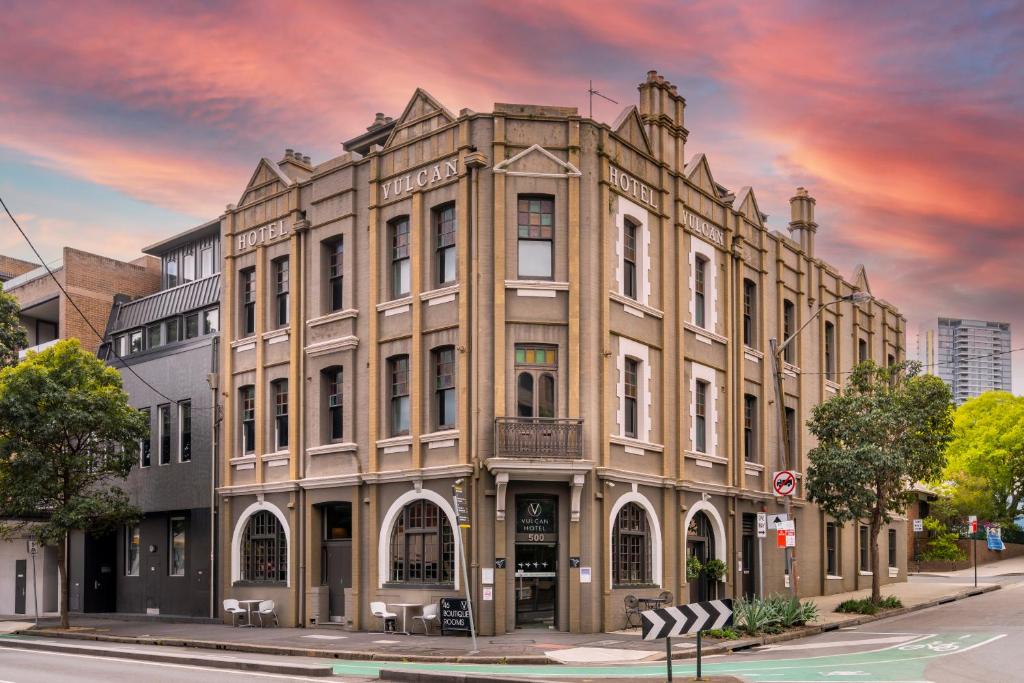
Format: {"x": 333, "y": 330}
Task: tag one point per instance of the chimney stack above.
{"x": 801, "y": 224}
{"x": 661, "y": 110}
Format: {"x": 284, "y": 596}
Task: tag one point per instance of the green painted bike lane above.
{"x": 903, "y": 662}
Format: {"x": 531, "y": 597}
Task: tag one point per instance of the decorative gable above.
{"x": 860, "y": 278}
{"x": 698, "y": 172}
{"x": 630, "y": 128}
{"x": 266, "y": 180}
{"x": 537, "y": 162}
{"x": 746, "y": 204}
{"x": 422, "y": 115}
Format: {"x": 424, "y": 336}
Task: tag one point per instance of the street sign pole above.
{"x": 666, "y": 622}
{"x": 786, "y": 457}
{"x": 760, "y": 568}
{"x": 974, "y": 543}
{"x": 668, "y": 657}
{"x": 698, "y": 655}
{"x": 462, "y": 513}
{"x": 35, "y": 590}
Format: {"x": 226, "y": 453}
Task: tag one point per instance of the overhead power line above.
{"x": 75, "y": 305}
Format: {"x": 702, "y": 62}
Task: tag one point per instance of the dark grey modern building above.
{"x": 165, "y": 563}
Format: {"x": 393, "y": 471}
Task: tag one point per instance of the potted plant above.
{"x": 693, "y": 568}
{"x": 714, "y": 570}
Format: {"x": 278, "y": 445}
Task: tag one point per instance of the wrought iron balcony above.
{"x": 538, "y": 437}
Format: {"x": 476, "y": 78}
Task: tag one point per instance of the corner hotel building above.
{"x": 571, "y": 317}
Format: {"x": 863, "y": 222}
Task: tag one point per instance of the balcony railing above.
{"x": 38, "y": 347}
{"x": 538, "y": 437}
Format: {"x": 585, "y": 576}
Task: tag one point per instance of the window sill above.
{"x": 327, "y": 448}
{"x": 442, "y": 435}
{"x": 332, "y": 345}
{"x": 753, "y": 466}
{"x": 629, "y": 442}
{"x": 537, "y": 284}
{"x": 832, "y": 386}
{"x": 790, "y": 369}
{"x": 441, "y": 292}
{"x": 275, "y": 334}
{"x": 703, "y": 332}
{"x": 752, "y": 354}
{"x": 833, "y": 577}
{"x": 864, "y": 573}
{"x": 238, "y": 460}
{"x": 275, "y": 456}
{"x": 639, "y": 308}
{"x": 244, "y": 344}
{"x": 394, "y": 303}
{"x": 343, "y": 314}
{"x": 697, "y": 455}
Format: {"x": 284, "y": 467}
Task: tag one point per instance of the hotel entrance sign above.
{"x": 536, "y": 521}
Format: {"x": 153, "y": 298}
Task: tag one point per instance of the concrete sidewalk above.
{"x": 521, "y": 647}
{"x": 1009, "y": 567}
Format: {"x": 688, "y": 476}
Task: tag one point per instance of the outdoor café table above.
{"x": 405, "y": 606}
{"x": 248, "y": 610}
{"x": 651, "y": 603}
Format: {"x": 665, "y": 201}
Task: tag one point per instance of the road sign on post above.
{"x": 784, "y": 483}
{"x": 762, "y": 525}
{"x": 462, "y": 512}
{"x": 972, "y": 521}
{"x": 668, "y": 622}
{"x": 918, "y": 525}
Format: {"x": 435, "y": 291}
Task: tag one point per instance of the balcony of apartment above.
{"x": 538, "y": 437}
{"x": 42, "y": 325}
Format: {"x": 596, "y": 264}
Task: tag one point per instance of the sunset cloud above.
{"x": 901, "y": 118}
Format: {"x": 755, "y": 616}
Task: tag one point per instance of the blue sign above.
{"x": 995, "y": 538}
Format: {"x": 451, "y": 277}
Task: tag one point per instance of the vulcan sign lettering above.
{"x": 264, "y": 233}
{"x": 701, "y": 227}
{"x": 631, "y": 185}
{"x": 429, "y": 175}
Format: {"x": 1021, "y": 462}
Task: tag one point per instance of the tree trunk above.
{"x": 65, "y": 582}
{"x": 876, "y": 569}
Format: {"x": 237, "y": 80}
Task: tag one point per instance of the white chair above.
{"x": 236, "y": 611}
{"x": 428, "y": 617}
{"x": 266, "y": 608}
{"x": 380, "y": 610}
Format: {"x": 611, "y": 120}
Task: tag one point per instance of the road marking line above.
{"x": 837, "y": 643}
{"x": 125, "y": 660}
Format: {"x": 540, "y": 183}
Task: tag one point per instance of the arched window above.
{"x": 422, "y": 546}
{"x": 631, "y": 547}
{"x": 536, "y": 380}
{"x": 264, "y": 550}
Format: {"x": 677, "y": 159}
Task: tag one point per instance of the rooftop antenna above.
{"x": 593, "y": 92}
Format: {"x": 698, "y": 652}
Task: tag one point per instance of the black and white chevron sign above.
{"x": 669, "y": 622}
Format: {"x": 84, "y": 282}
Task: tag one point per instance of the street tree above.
{"x": 12, "y": 332}
{"x": 68, "y": 438}
{"x": 984, "y": 472}
{"x": 887, "y": 430}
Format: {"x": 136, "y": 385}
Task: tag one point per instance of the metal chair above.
{"x": 666, "y": 598}
{"x": 267, "y": 608}
{"x": 632, "y": 611}
{"x": 236, "y": 611}
{"x": 380, "y": 610}
{"x": 428, "y": 617}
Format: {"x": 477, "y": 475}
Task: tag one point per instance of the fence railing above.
{"x": 538, "y": 437}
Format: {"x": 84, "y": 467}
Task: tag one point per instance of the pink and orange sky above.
{"x": 121, "y": 123}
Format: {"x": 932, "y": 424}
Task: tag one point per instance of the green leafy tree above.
{"x": 12, "y": 333}
{"x": 942, "y": 545}
{"x": 67, "y": 438}
{"x": 887, "y": 429}
{"x": 985, "y": 460}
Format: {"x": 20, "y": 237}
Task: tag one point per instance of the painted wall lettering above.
{"x": 631, "y": 185}
{"x": 703, "y": 228}
{"x": 264, "y": 233}
{"x": 421, "y": 178}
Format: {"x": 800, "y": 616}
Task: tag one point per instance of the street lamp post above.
{"x": 787, "y": 458}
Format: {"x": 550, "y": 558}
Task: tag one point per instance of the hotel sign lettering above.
{"x": 702, "y": 227}
{"x": 264, "y": 233}
{"x": 536, "y": 521}
{"x": 632, "y": 186}
{"x": 428, "y": 175}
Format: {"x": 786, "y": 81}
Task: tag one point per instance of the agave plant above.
{"x": 755, "y": 615}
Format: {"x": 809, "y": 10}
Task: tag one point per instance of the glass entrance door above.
{"x": 536, "y": 584}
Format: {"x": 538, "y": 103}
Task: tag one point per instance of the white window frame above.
{"x": 624, "y": 209}
{"x": 641, "y": 353}
{"x": 699, "y": 246}
{"x": 654, "y": 524}
{"x": 707, "y": 374}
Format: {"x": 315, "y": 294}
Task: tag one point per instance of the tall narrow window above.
{"x": 247, "y": 413}
{"x": 631, "y": 547}
{"x": 184, "y": 431}
{"x": 444, "y": 243}
{"x": 400, "y": 268}
{"x": 398, "y": 393}
{"x": 832, "y": 548}
{"x": 154, "y": 337}
{"x": 145, "y": 443}
{"x": 280, "y": 392}
{"x": 629, "y": 231}
{"x": 335, "y": 258}
{"x": 206, "y": 261}
{"x": 865, "y": 550}
{"x": 171, "y": 331}
{"x": 422, "y": 546}
{"x": 749, "y": 428}
{"x": 788, "y": 328}
{"x": 791, "y": 436}
{"x": 211, "y": 321}
{"x": 892, "y": 548}
{"x": 191, "y": 325}
{"x": 135, "y": 341}
{"x": 830, "y": 351}
{"x": 536, "y": 375}
{"x": 536, "y": 221}
{"x": 248, "y": 291}
{"x": 444, "y": 387}
{"x": 164, "y": 427}
{"x": 176, "y": 546}
{"x": 700, "y": 417}
{"x": 132, "y": 543}
{"x": 862, "y": 350}
{"x": 188, "y": 267}
{"x": 750, "y": 313}
{"x": 891, "y": 360}
{"x": 333, "y": 379}
{"x": 700, "y": 268}
{"x": 630, "y": 389}
{"x": 171, "y": 268}
{"x": 281, "y": 285}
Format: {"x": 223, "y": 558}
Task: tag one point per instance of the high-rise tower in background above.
{"x": 971, "y": 356}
